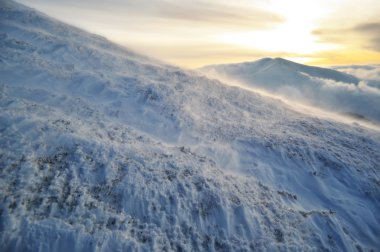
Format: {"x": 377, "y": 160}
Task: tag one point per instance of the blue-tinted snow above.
{"x": 105, "y": 150}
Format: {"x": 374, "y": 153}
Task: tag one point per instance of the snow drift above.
{"x": 320, "y": 87}
{"x": 102, "y": 149}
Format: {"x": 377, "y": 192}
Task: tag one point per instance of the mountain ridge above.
{"x": 289, "y": 65}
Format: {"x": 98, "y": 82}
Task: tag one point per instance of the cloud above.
{"x": 217, "y": 13}
{"x": 178, "y": 31}
{"x": 366, "y": 72}
{"x": 365, "y": 35}
{"x": 199, "y": 53}
{"x": 147, "y": 13}
{"x": 361, "y": 101}
{"x": 372, "y": 31}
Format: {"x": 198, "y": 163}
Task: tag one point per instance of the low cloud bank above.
{"x": 369, "y": 73}
{"x": 361, "y": 100}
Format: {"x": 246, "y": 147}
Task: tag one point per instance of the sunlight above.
{"x": 292, "y": 36}
{"x": 196, "y": 33}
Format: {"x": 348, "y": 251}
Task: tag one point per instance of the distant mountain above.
{"x": 272, "y": 72}
{"x": 102, "y": 149}
{"x": 320, "y": 87}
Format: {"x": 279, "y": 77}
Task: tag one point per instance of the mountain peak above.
{"x": 281, "y": 59}
{"x": 277, "y": 59}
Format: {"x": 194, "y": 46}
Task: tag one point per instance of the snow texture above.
{"x": 102, "y": 149}
{"x": 323, "y": 88}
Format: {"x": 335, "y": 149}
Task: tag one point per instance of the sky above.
{"x": 193, "y": 33}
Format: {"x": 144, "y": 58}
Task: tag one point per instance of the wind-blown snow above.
{"x": 320, "y": 87}
{"x": 105, "y": 150}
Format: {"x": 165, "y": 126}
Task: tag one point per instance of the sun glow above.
{"x": 287, "y": 38}
{"x": 196, "y": 33}
{"x": 293, "y": 36}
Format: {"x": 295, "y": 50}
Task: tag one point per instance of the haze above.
{"x": 196, "y": 33}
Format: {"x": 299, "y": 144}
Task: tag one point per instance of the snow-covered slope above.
{"x": 320, "y": 87}
{"x": 105, "y": 150}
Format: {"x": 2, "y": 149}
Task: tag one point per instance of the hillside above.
{"x": 102, "y": 149}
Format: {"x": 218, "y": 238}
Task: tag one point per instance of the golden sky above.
{"x": 193, "y": 33}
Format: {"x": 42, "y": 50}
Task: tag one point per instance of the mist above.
{"x": 359, "y": 100}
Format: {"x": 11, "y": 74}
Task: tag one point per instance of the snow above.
{"x": 106, "y": 150}
{"x": 323, "y": 88}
